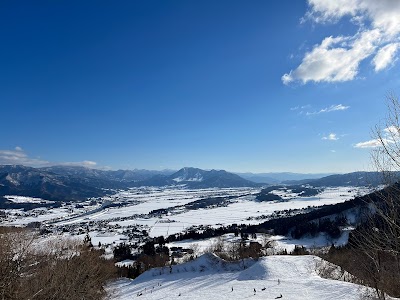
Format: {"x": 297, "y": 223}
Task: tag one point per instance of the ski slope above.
{"x": 209, "y": 277}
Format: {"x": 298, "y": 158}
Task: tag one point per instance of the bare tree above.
{"x": 379, "y": 237}
{"x": 15, "y": 258}
{"x": 62, "y": 269}
{"x": 386, "y": 159}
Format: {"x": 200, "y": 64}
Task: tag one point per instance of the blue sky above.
{"x": 255, "y": 86}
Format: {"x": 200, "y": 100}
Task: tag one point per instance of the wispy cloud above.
{"x": 300, "y": 107}
{"x": 85, "y": 163}
{"x": 19, "y": 157}
{"x": 331, "y": 108}
{"x": 337, "y": 58}
{"x": 331, "y": 137}
{"x": 390, "y": 135}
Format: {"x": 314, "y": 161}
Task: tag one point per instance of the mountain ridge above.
{"x": 199, "y": 178}
{"x": 63, "y": 183}
{"x": 33, "y": 182}
{"x": 280, "y": 177}
{"x": 66, "y": 183}
{"x": 359, "y": 178}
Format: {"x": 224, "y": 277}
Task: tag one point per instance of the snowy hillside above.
{"x": 209, "y": 277}
{"x": 188, "y": 174}
{"x": 198, "y": 178}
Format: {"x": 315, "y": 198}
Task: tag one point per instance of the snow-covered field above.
{"x": 128, "y": 215}
{"x": 208, "y": 277}
{"x": 139, "y": 208}
{"x": 23, "y": 199}
{"x": 279, "y": 242}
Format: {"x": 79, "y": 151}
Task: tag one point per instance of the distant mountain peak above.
{"x": 198, "y": 178}
{"x": 188, "y": 174}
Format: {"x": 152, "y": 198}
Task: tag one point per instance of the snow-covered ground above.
{"x": 19, "y": 217}
{"x": 23, "y": 199}
{"x": 278, "y": 242}
{"x": 242, "y": 209}
{"x": 109, "y": 225}
{"x": 208, "y": 277}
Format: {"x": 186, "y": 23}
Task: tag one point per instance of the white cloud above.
{"x": 331, "y": 137}
{"x": 331, "y": 108}
{"x": 382, "y": 14}
{"x": 393, "y": 131}
{"x": 385, "y": 56}
{"x": 330, "y": 11}
{"x": 337, "y": 59}
{"x": 390, "y": 135}
{"x": 19, "y": 157}
{"x": 89, "y": 163}
{"x": 85, "y": 163}
{"x": 300, "y": 107}
{"x": 368, "y": 144}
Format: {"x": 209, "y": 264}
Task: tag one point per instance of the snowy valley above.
{"x": 184, "y": 227}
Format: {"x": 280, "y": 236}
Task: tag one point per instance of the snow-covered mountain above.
{"x": 68, "y": 183}
{"x": 188, "y": 174}
{"x": 209, "y": 277}
{"x": 27, "y": 181}
{"x": 124, "y": 176}
{"x": 198, "y": 178}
